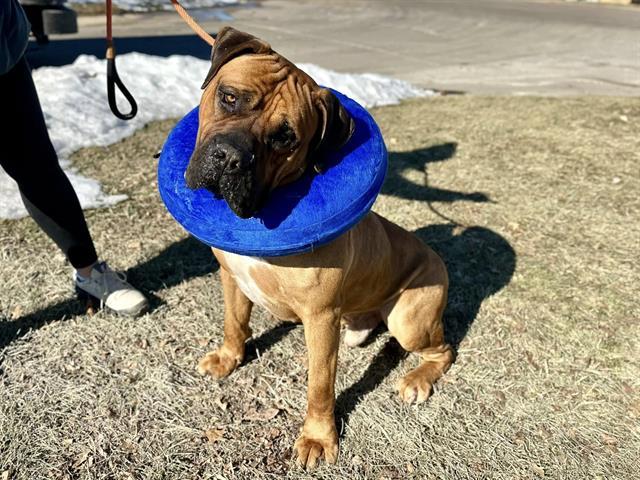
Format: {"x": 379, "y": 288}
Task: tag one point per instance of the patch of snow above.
{"x": 367, "y": 89}
{"x": 154, "y": 5}
{"x": 73, "y": 99}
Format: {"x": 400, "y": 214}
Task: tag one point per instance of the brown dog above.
{"x": 263, "y": 122}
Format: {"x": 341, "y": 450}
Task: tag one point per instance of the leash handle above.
{"x": 113, "y": 79}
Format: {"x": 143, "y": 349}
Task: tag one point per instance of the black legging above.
{"x": 27, "y": 155}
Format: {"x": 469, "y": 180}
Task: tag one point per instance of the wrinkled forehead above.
{"x": 269, "y": 81}
{"x": 254, "y": 72}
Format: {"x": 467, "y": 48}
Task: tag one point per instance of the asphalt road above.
{"x": 477, "y": 46}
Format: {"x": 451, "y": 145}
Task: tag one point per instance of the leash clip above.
{"x": 113, "y": 79}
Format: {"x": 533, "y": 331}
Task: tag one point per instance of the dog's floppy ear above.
{"x": 231, "y": 43}
{"x": 334, "y": 128}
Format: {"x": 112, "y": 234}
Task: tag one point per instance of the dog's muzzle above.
{"x": 226, "y": 165}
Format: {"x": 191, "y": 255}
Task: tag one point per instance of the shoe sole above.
{"x": 94, "y": 302}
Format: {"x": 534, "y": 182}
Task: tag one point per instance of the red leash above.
{"x": 113, "y": 79}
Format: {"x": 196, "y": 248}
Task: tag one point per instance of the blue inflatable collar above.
{"x": 298, "y": 217}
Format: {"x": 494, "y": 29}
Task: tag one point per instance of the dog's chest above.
{"x": 243, "y": 268}
{"x": 240, "y": 267}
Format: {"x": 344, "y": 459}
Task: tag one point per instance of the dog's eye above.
{"x": 228, "y": 100}
{"x": 283, "y": 138}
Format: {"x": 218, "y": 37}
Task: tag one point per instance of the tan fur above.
{"x": 374, "y": 272}
{"x": 281, "y": 91}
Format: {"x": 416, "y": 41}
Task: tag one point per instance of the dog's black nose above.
{"x": 236, "y": 159}
{"x": 219, "y": 154}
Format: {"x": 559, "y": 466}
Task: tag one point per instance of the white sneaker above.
{"x": 111, "y": 289}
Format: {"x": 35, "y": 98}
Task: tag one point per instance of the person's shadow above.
{"x": 178, "y": 262}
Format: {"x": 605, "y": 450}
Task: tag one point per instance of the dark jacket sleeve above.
{"x": 14, "y": 34}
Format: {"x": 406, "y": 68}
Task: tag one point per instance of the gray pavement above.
{"x": 477, "y": 46}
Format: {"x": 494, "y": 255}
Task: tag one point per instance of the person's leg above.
{"x": 27, "y": 155}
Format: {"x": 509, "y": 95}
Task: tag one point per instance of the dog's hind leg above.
{"x": 237, "y": 312}
{"x": 359, "y": 327}
{"x": 415, "y": 320}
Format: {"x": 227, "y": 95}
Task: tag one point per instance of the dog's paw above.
{"x": 309, "y": 450}
{"x": 318, "y": 438}
{"x": 218, "y": 364}
{"x": 414, "y": 387}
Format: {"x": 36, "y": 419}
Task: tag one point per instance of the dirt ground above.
{"x": 532, "y": 202}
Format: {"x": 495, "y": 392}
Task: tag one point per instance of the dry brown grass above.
{"x": 544, "y": 302}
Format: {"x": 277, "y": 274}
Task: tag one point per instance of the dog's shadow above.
{"x": 397, "y": 185}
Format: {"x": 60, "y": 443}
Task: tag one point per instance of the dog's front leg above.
{"x": 319, "y": 436}
{"x": 237, "y": 311}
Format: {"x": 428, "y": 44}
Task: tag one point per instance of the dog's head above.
{"x": 262, "y": 123}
